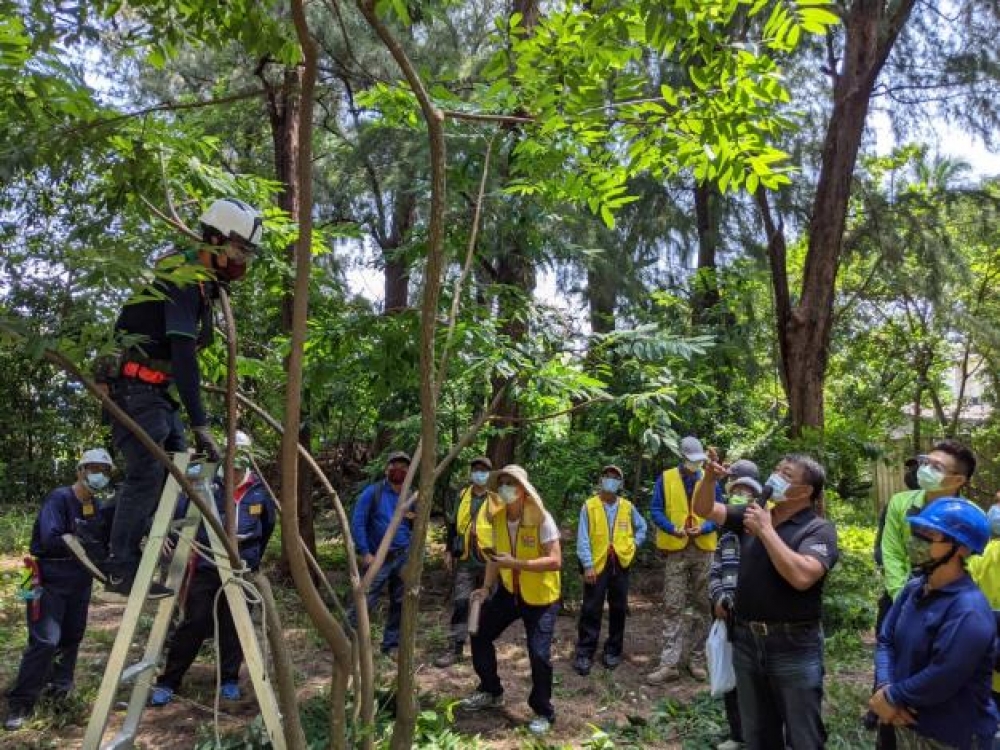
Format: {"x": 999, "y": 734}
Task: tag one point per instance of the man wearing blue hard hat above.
{"x": 936, "y": 648}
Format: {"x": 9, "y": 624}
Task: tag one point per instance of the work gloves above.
{"x": 204, "y": 443}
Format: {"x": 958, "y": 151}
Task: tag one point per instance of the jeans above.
{"x": 199, "y": 624}
{"x": 611, "y": 584}
{"x": 498, "y": 612}
{"x": 732, "y": 703}
{"x": 779, "y": 684}
{"x": 53, "y": 643}
{"x": 156, "y": 413}
{"x": 390, "y": 573}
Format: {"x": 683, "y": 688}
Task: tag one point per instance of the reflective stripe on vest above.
{"x": 535, "y": 587}
{"x": 602, "y": 539}
{"x": 677, "y": 508}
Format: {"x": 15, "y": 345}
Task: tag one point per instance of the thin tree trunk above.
{"x": 284, "y": 671}
{"x": 706, "y": 298}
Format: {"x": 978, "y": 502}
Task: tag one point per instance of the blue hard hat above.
{"x": 958, "y": 519}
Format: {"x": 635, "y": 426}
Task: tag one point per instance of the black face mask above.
{"x": 232, "y": 271}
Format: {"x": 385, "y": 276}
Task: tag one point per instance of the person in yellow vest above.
{"x": 464, "y": 557}
{"x": 985, "y": 571}
{"x": 609, "y": 531}
{"x": 525, "y": 553}
{"x": 687, "y": 542}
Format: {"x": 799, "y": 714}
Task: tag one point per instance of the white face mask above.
{"x": 929, "y": 478}
{"x": 96, "y": 482}
{"x": 780, "y": 486}
{"x": 479, "y": 478}
{"x": 508, "y": 493}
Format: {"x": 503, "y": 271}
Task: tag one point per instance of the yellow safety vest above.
{"x": 677, "y": 508}
{"x": 536, "y": 587}
{"x": 602, "y": 539}
{"x": 985, "y": 571}
{"x": 465, "y": 524}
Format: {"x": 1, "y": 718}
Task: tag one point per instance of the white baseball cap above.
{"x": 95, "y": 456}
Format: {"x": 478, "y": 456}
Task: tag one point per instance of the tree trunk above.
{"x": 705, "y": 297}
{"x": 601, "y": 297}
{"x": 871, "y": 28}
{"x": 283, "y": 105}
{"x": 397, "y": 270}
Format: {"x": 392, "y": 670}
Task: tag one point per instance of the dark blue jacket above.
{"x": 368, "y": 536}
{"x": 936, "y": 651}
{"x": 60, "y": 513}
{"x": 255, "y": 521}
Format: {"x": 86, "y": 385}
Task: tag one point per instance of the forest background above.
{"x": 732, "y": 253}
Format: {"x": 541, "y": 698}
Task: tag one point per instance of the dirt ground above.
{"x": 603, "y": 697}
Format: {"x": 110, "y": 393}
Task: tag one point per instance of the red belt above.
{"x": 145, "y": 374}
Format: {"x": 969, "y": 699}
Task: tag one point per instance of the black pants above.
{"x": 139, "y": 494}
{"x": 732, "y": 701}
{"x": 886, "y": 737}
{"x": 198, "y": 625}
{"x": 611, "y": 584}
{"x": 497, "y": 614}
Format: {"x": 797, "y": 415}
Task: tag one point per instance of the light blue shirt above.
{"x": 583, "y": 550}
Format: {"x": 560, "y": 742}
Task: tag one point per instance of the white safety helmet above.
{"x": 234, "y": 219}
{"x": 243, "y": 440}
{"x": 95, "y": 456}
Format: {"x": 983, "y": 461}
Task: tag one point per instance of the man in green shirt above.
{"x": 941, "y": 473}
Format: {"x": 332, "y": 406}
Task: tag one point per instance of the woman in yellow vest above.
{"x": 522, "y": 548}
{"x": 609, "y": 531}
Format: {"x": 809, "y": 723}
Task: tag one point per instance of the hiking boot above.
{"x": 539, "y": 726}
{"x": 480, "y": 700}
{"x": 230, "y": 691}
{"x": 582, "y": 665}
{"x": 611, "y": 661}
{"x": 161, "y": 696}
{"x": 448, "y": 658}
{"x": 663, "y": 675}
{"x": 697, "y": 672}
{"x": 120, "y": 587}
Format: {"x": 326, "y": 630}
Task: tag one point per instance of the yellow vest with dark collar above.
{"x": 677, "y": 508}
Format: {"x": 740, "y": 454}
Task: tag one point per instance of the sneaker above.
{"x": 16, "y": 718}
{"x": 729, "y": 745}
{"x": 121, "y": 586}
{"x": 698, "y": 672}
{"x": 448, "y": 658}
{"x": 611, "y": 661}
{"x": 582, "y": 665}
{"x": 870, "y": 721}
{"x": 480, "y": 700}
{"x": 161, "y": 696}
{"x": 539, "y": 726}
{"x": 230, "y": 691}
{"x": 663, "y": 675}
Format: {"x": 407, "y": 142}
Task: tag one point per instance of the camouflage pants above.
{"x": 907, "y": 739}
{"x": 467, "y": 578}
{"x": 685, "y": 606}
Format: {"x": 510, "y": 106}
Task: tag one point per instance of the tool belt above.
{"x": 144, "y": 374}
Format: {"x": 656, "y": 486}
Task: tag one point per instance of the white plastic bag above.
{"x": 719, "y": 653}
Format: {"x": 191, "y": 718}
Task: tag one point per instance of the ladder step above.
{"x": 183, "y": 523}
{"x": 134, "y": 670}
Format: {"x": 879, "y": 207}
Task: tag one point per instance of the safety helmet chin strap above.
{"x": 929, "y": 567}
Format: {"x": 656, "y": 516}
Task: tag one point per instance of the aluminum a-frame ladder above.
{"x": 141, "y": 673}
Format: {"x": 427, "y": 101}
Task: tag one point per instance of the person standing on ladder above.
{"x": 57, "y": 588}
{"x": 464, "y": 556}
{"x": 255, "y": 520}
{"x": 162, "y": 330}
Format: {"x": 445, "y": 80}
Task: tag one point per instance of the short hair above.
{"x": 961, "y": 453}
{"x": 814, "y": 471}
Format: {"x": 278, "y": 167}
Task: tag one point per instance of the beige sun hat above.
{"x": 534, "y": 509}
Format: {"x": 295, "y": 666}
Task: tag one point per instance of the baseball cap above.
{"x": 482, "y": 460}
{"x": 611, "y": 468}
{"x": 692, "y": 449}
{"x": 95, "y": 456}
{"x": 398, "y": 456}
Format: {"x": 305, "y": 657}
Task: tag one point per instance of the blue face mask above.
{"x": 994, "y": 517}
{"x": 780, "y": 486}
{"x": 96, "y": 482}
{"x": 479, "y": 477}
{"x": 611, "y": 484}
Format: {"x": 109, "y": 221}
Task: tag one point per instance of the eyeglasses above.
{"x": 933, "y": 463}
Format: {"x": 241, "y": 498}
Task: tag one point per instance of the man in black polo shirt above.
{"x": 161, "y": 330}
{"x": 786, "y": 552}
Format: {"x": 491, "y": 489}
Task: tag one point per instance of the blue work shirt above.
{"x": 935, "y": 651}
{"x": 60, "y": 512}
{"x": 368, "y": 537}
{"x": 255, "y": 520}
{"x": 657, "y": 508}
{"x": 583, "y": 550}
